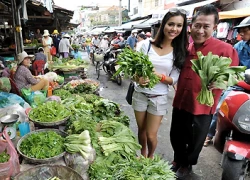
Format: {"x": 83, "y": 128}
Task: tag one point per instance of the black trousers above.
{"x": 187, "y": 135}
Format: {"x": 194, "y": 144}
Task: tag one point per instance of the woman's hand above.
{"x": 37, "y": 77}
{"x": 143, "y": 81}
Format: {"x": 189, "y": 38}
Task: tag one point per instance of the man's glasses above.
{"x": 175, "y": 10}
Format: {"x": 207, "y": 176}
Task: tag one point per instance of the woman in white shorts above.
{"x": 167, "y": 52}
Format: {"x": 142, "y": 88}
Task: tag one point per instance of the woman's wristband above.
{"x": 163, "y": 78}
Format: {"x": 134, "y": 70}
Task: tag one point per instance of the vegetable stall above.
{"x": 87, "y": 134}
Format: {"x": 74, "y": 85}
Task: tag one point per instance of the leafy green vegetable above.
{"x": 114, "y": 167}
{"x": 136, "y": 64}
{"x": 4, "y": 156}
{"x": 50, "y": 111}
{"x": 42, "y": 145}
{"x": 215, "y": 70}
{"x": 62, "y": 93}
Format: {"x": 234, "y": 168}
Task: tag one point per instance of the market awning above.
{"x": 98, "y": 30}
{"x": 191, "y": 8}
{"x": 148, "y": 23}
{"x": 244, "y": 12}
{"x": 128, "y": 26}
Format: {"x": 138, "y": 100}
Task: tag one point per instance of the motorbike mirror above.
{"x": 247, "y": 76}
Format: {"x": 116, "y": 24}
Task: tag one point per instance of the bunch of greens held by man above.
{"x": 138, "y": 66}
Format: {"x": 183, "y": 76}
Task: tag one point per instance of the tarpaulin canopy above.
{"x": 244, "y": 12}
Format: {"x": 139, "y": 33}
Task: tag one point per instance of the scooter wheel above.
{"x": 119, "y": 79}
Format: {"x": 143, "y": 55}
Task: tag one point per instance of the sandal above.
{"x": 208, "y": 141}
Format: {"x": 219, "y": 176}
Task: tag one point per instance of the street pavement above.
{"x": 208, "y": 167}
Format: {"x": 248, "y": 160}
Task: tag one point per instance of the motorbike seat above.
{"x": 244, "y": 85}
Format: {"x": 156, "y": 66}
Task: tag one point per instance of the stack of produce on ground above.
{"x": 62, "y": 93}
{"x": 216, "y": 71}
{"x": 4, "y": 156}
{"x": 42, "y": 145}
{"x": 80, "y": 143}
{"x": 66, "y": 64}
{"x": 136, "y": 64}
{"x": 114, "y": 167}
{"x": 86, "y": 86}
{"x": 50, "y": 111}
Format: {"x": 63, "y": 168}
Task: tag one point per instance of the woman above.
{"x": 167, "y": 52}
{"x": 140, "y": 38}
{"x": 23, "y": 77}
{"x": 47, "y": 42}
{"x": 87, "y": 43}
{"x": 65, "y": 47}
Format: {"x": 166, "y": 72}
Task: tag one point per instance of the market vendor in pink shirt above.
{"x": 190, "y": 119}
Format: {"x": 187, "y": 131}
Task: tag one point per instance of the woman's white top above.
{"x": 163, "y": 65}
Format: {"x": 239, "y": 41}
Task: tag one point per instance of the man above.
{"x": 131, "y": 41}
{"x": 191, "y": 120}
{"x": 243, "y": 47}
{"x": 95, "y": 41}
{"x": 104, "y": 44}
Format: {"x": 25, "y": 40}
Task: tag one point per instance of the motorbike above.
{"x": 110, "y": 66}
{"x": 232, "y": 136}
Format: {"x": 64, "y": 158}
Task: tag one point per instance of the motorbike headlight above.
{"x": 244, "y": 122}
{"x": 242, "y": 118}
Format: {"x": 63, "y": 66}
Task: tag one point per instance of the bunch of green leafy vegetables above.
{"x": 50, "y": 111}
{"x": 116, "y": 137}
{"x": 84, "y": 88}
{"x": 217, "y": 71}
{"x": 136, "y": 64}
{"x": 105, "y": 109}
{"x": 115, "y": 167}
{"x": 90, "y": 98}
{"x": 62, "y": 93}
{"x": 4, "y": 156}
{"x": 42, "y": 145}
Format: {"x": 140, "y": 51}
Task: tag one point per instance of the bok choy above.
{"x": 217, "y": 71}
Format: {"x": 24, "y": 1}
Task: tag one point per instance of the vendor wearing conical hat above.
{"x": 56, "y": 39}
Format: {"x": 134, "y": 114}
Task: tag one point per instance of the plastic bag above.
{"x": 8, "y": 99}
{"x": 12, "y": 167}
{"x": 14, "y": 109}
{"x": 53, "y": 50}
{"x": 53, "y": 98}
{"x": 50, "y": 76}
{"x": 5, "y": 84}
{"x": 34, "y": 98}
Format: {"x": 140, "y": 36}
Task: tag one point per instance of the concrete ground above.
{"x": 208, "y": 167}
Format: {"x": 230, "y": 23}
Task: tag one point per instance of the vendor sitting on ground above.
{"x": 23, "y": 77}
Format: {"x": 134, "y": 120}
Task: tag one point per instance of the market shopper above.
{"x": 191, "y": 120}
{"x": 104, "y": 44}
{"x": 131, "y": 41}
{"x": 167, "y": 53}
{"x": 23, "y": 77}
{"x": 64, "y": 46}
{"x": 140, "y": 38}
{"x": 38, "y": 36}
{"x": 243, "y": 46}
{"x": 56, "y": 40}
{"x": 47, "y": 42}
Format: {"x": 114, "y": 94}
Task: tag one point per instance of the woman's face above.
{"x": 173, "y": 27}
{"x": 26, "y": 62}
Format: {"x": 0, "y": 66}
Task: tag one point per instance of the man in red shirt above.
{"x": 191, "y": 120}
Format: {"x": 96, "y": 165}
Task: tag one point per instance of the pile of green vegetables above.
{"x": 113, "y": 167}
{"x": 50, "y": 111}
{"x": 83, "y": 88}
{"x": 216, "y": 71}
{"x": 136, "y": 64}
{"x": 114, "y": 137}
{"x": 62, "y": 93}
{"x": 4, "y": 156}
{"x": 42, "y": 145}
{"x": 79, "y": 143}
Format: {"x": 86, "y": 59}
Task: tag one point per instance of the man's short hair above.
{"x": 206, "y": 10}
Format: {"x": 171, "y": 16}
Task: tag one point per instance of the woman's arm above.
{"x": 29, "y": 77}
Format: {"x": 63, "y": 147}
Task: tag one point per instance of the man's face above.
{"x": 202, "y": 28}
{"x": 38, "y": 31}
{"x": 245, "y": 33}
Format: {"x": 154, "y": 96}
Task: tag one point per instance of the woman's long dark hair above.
{"x": 180, "y": 43}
